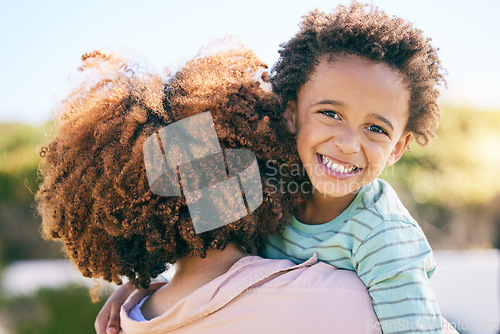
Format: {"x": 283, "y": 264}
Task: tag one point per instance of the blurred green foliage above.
{"x": 19, "y": 158}
{"x": 452, "y": 185}
{"x": 460, "y": 167}
{"x": 19, "y": 227}
{"x": 66, "y": 310}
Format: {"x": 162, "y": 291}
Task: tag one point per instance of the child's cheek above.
{"x": 377, "y": 159}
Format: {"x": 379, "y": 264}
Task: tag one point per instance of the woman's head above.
{"x": 95, "y": 194}
{"x": 372, "y": 35}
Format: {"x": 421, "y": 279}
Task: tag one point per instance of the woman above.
{"x": 115, "y": 221}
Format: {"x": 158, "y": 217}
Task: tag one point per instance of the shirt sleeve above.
{"x": 395, "y": 262}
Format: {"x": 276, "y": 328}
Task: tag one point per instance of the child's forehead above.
{"x": 349, "y": 68}
{"x": 353, "y": 61}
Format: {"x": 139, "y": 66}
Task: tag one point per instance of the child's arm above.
{"x": 395, "y": 262}
{"x": 108, "y": 319}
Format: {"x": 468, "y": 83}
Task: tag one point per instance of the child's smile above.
{"x": 336, "y": 168}
{"x": 350, "y": 120}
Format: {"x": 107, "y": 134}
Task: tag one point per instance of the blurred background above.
{"x": 452, "y": 186}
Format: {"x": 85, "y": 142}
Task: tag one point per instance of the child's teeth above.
{"x": 336, "y": 167}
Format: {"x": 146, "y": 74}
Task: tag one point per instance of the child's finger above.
{"x": 102, "y": 320}
{"x": 113, "y": 325}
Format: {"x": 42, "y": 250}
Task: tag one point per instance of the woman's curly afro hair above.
{"x": 95, "y": 194}
{"x": 375, "y": 36}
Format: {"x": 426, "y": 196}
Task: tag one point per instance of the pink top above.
{"x": 259, "y": 295}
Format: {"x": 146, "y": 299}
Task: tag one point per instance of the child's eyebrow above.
{"x": 332, "y": 102}
{"x": 383, "y": 119}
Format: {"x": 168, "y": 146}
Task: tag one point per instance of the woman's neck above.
{"x": 191, "y": 273}
{"x": 216, "y": 263}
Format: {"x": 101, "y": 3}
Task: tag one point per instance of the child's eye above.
{"x": 377, "y": 129}
{"x": 330, "y": 113}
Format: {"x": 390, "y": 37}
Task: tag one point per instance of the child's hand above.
{"x": 108, "y": 319}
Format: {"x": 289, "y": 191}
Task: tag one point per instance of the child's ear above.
{"x": 290, "y": 117}
{"x": 400, "y": 147}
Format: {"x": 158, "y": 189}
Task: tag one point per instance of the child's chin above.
{"x": 336, "y": 191}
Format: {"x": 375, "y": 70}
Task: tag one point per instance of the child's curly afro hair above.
{"x": 95, "y": 194}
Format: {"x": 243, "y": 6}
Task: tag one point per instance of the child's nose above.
{"x": 347, "y": 140}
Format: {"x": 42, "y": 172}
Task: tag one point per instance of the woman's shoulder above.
{"x": 312, "y": 275}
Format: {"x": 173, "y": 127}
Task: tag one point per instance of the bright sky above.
{"x": 41, "y": 41}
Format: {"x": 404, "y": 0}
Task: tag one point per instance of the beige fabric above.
{"x": 261, "y": 296}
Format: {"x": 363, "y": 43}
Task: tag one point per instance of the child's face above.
{"x": 350, "y": 120}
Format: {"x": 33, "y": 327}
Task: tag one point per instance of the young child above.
{"x": 357, "y": 86}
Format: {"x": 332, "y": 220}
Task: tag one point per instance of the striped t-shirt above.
{"x": 376, "y": 237}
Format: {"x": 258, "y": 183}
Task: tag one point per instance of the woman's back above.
{"x": 261, "y": 295}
